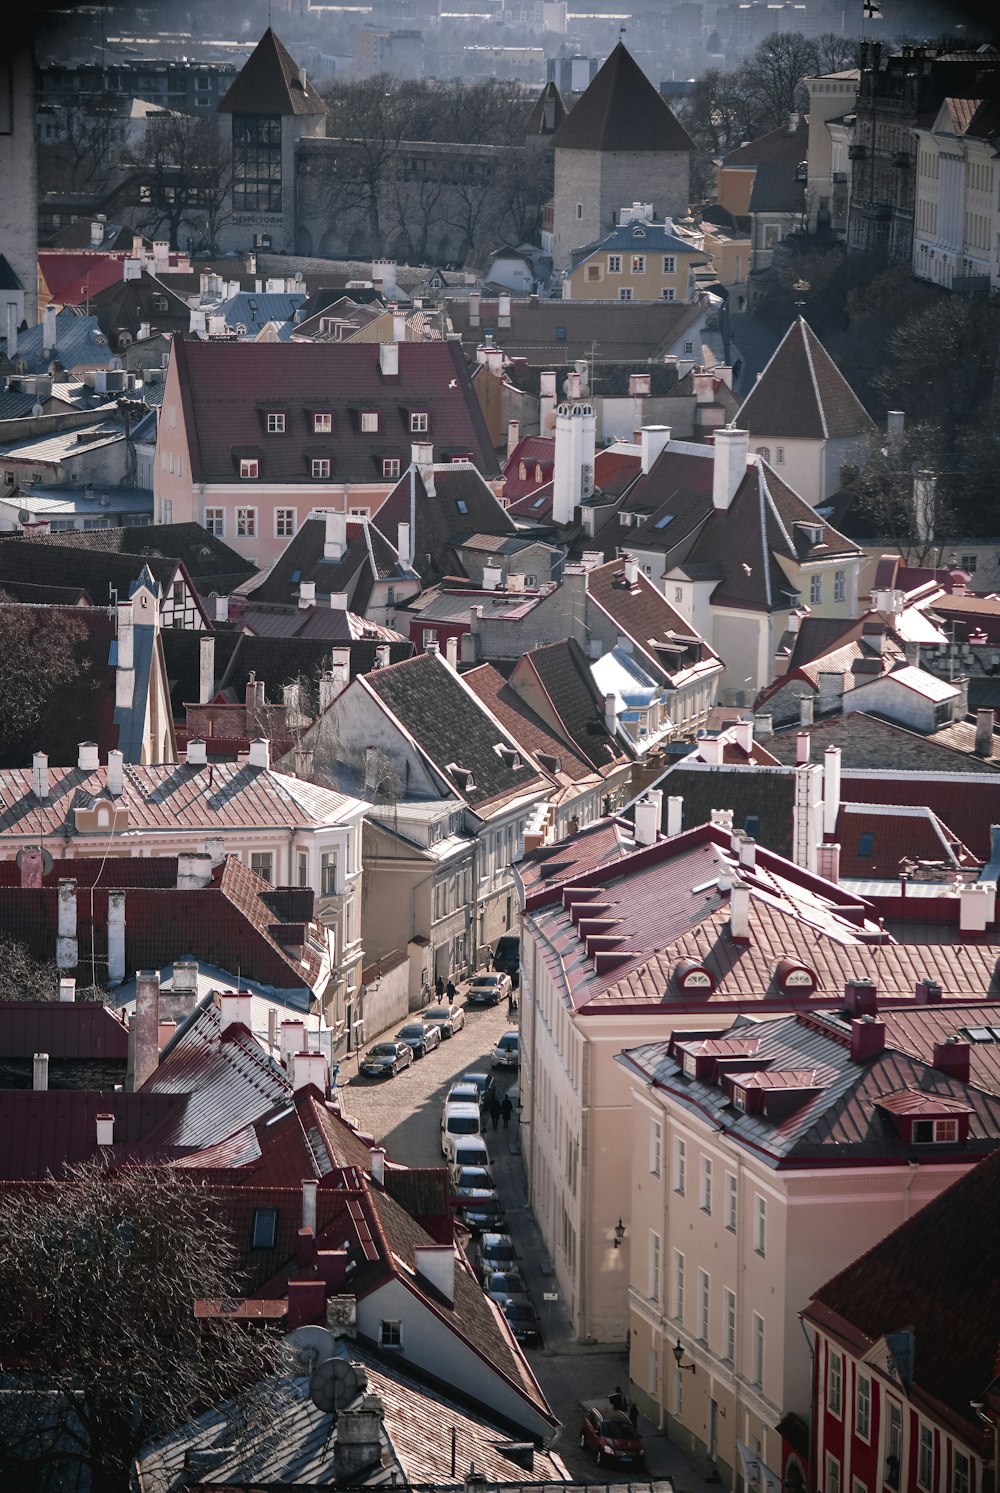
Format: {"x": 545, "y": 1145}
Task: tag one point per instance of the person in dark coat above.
{"x": 494, "y": 1109}
{"x": 439, "y": 987}
{"x": 633, "y": 1414}
{"x": 450, "y": 990}
{"x": 506, "y": 1109}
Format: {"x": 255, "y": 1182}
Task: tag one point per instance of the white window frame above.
{"x": 705, "y": 1185}
{"x": 832, "y": 1482}
{"x": 815, "y": 590}
{"x": 391, "y": 468}
{"x": 760, "y": 1225}
{"x": 704, "y": 1305}
{"x": 215, "y": 522}
{"x": 322, "y": 422}
{"x": 369, "y": 422}
{"x": 863, "y": 1407}
{"x": 680, "y": 1166}
{"x": 262, "y": 864}
{"x": 678, "y": 1301}
{"x": 757, "y": 1350}
{"x": 835, "y": 1382}
{"x": 668, "y": 293}
{"x": 614, "y": 264}
{"x": 330, "y": 886}
{"x": 275, "y": 423}
{"x": 731, "y": 1202}
{"x": 319, "y": 466}
{"x": 246, "y": 523}
{"x": 654, "y": 1265}
{"x": 655, "y": 1148}
{"x": 285, "y": 523}
{"x": 840, "y": 585}
{"x": 625, "y": 292}
{"x": 729, "y": 1322}
{"x": 961, "y": 1471}
{"x": 419, "y": 422}
{"x": 249, "y": 468}
{"x": 670, "y": 264}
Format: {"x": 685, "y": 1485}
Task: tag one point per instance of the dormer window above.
{"x": 320, "y": 466}
{"x": 638, "y": 232}
{"x": 419, "y": 422}
{"x": 522, "y": 471}
{"x": 276, "y": 422}
{"x": 538, "y": 471}
{"x": 322, "y": 422}
{"x": 934, "y": 1132}
{"x": 249, "y": 468}
{"x": 391, "y": 466}
{"x": 369, "y": 422}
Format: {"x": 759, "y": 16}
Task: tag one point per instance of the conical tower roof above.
{"x": 621, "y": 111}
{"x": 548, "y": 106}
{"x": 271, "y": 82}
{"x": 802, "y": 393}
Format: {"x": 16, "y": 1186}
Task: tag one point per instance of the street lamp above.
{"x": 678, "y": 1353}
{"x": 619, "y": 1234}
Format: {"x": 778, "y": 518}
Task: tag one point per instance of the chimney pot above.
{"x": 376, "y": 1158}
{"x": 867, "y": 1038}
{"x": 105, "y": 1130}
{"x": 40, "y": 1071}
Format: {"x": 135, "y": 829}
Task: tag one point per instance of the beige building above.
{"x": 956, "y": 230}
{"x": 638, "y": 261}
{"x": 828, "y": 176}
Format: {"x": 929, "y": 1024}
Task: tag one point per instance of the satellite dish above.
{"x": 333, "y": 1385}
{"x": 24, "y": 516}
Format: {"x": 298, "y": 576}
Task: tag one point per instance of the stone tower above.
{"x": 272, "y": 105}
{"x": 620, "y": 144}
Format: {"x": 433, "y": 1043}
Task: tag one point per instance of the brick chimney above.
{"x": 927, "y": 992}
{"x": 952, "y": 1057}
{"x": 145, "y": 1034}
{"x": 867, "y": 1038}
{"x": 861, "y": 997}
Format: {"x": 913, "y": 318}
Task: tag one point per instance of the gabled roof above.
{"x": 73, "y": 278}
{"x": 271, "y": 82}
{"x": 462, "y": 504}
{"x": 527, "y": 729}
{"x": 802, "y": 395}
{"x": 781, "y": 146}
{"x": 127, "y": 304}
{"x": 369, "y": 555}
{"x": 554, "y": 334}
{"x": 868, "y": 741}
{"x": 563, "y": 673}
{"x": 664, "y": 640}
{"x": 621, "y": 111}
{"x": 278, "y": 661}
{"x": 106, "y": 574}
{"x": 639, "y": 237}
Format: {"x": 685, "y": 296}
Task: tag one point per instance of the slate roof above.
{"x": 564, "y": 675}
{"x": 535, "y": 124}
{"x": 449, "y": 725}
{"x": 125, "y": 305}
{"x": 645, "y": 238}
{"x": 620, "y": 110}
{"x": 868, "y": 741}
{"x": 908, "y": 1282}
{"x": 80, "y": 343}
{"x": 105, "y": 574}
{"x": 227, "y": 388}
{"x": 802, "y": 395}
{"x": 462, "y": 504}
{"x": 665, "y": 641}
{"x": 276, "y": 662}
{"x": 370, "y": 555}
{"x": 209, "y": 561}
{"x": 777, "y": 189}
{"x": 269, "y": 82}
{"x": 623, "y": 331}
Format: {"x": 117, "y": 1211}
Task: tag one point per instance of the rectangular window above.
{"x": 960, "y": 1480}
{"x": 779, "y": 455}
{"x": 863, "y": 1408}
{"x": 625, "y": 293}
{"x": 369, "y": 422}
{"x": 840, "y": 585}
{"x": 667, "y": 293}
{"x": 302, "y": 862}
{"x": 678, "y": 1285}
{"x": 704, "y": 1304}
{"x": 832, "y": 1475}
{"x": 730, "y": 1348}
{"x": 669, "y": 264}
{"x": 654, "y": 1266}
{"x": 275, "y": 424}
{"x": 731, "y": 1202}
{"x": 257, "y": 163}
{"x": 706, "y": 1185}
{"x": 249, "y": 467}
{"x": 319, "y": 466}
{"x": 638, "y": 264}
{"x": 925, "y": 1458}
{"x": 215, "y": 522}
{"x": 655, "y": 1147}
{"x": 284, "y": 523}
{"x": 969, "y": 563}
{"x": 815, "y": 589}
{"x": 418, "y": 424}
{"x": 264, "y": 1229}
{"x": 322, "y": 423}
{"x": 757, "y": 1365}
{"x": 390, "y": 1334}
{"x": 680, "y": 1167}
{"x": 329, "y": 885}
{"x": 759, "y": 1224}
{"x": 390, "y": 466}
{"x": 246, "y": 523}
{"x": 614, "y": 264}
{"x": 834, "y": 1383}
{"x": 894, "y": 1445}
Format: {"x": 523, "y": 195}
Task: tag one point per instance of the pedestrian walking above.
{"x": 450, "y": 990}
{"x": 506, "y": 1109}
{"x": 511, "y": 1006}
{"x": 494, "y": 1109}
{"x": 633, "y": 1414}
{"x": 439, "y": 987}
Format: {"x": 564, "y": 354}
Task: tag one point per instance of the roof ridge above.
{"x": 812, "y": 374}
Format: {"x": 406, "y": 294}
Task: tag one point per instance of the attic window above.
{"x": 661, "y": 523}
{"x": 419, "y": 422}
{"x": 461, "y": 505}
{"x": 265, "y": 1228}
{"x": 276, "y": 423}
{"x": 866, "y": 844}
{"x": 560, "y": 334}
{"x": 320, "y": 466}
{"x": 322, "y": 422}
{"x": 390, "y": 466}
{"x": 522, "y": 471}
{"x": 160, "y": 303}
{"x": 638, "y": 232}
{"x": 934, "y": 1132}
{"x": 539, "y": 502}
{"x": 509, "y": 755}
{"x": 249, "y": 467}
{"x": 369, "y": 422}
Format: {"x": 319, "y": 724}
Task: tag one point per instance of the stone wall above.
{"x": 602, "y": 183}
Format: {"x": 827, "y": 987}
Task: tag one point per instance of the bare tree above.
{"x": 775, "y": 72}
{"x": 39, "y": 655}
{"x": 373, "y": 115}
{"x": 103, "y": 1351}
{"x": 23, "y": 978}
{"x": 89, "y": 147}
{"x": 184, "y": 172}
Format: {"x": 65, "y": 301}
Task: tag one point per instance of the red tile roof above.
{"x": 42, "y": 1132}
{"x": 898, "y": 835}
{"x": 72, "y": 278}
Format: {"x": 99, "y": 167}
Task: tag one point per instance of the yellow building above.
{"x": 639, "y": 261}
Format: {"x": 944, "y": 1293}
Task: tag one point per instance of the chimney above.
{"x": 67, "y": 988}
{"x": 49, "y": 335}
{"x": 474, "y": 309}
{"x": 748, "y": 852}
{"x": 116, "y": 773}
{"x": 895, "y": 424}
{"x": 432, "y": 647}
{"x": 743, "y": 734}
{"x": 828, "y": 861}
{"x": 422, "y": 457}
{"x": 976, "y": 908}
{"x": 739, "y": 912}
{"x": 184, "y": 978}
{"x": 611, "y": 713}
{"x": 801, "y": 748}
{"x": 40, "y": 1071}
{"x": 307, "y": 1307}
{"x": 571, "y": 386}
{"x": 638, "y": 385}
{"x": 388, "y": 359}
{"x": 359, "y": 1440}
{"x": 984, "y": 733}
{"x": 194, "y": 870}
{"x": 927, "y": 992}
{"x": 32, "y": 862}
{"x": 331, "y": 684}
{"x": 206, "y": 668}
{"x": 867, "y": 1038}
{"x": 222, "y": 609}
{"x": 675, "y": 814}
{"x": 631, "y": 568}
{"x": 215, "y": 847}
{"x": 831, "y": 689}
{"x": 831, "y": 791}
{"x": 260, "y": 752}
{"x": 165, "y": 1032}
{"x": 310, "y": 1068}
{"x": 40, "y": 775}
{"x": 807, "y": 815}
{"x": 573, "y": 469}
{"x": 652, "y": 440}
{"x": 436, "y": 1263}
{"x": 647, "y": 818}
{"x": 116, "y": 937}
{"x": 546, "y": 402}
{"x": 335, "y": 540}
{"x": 403, "y": 546}
{"x": 451, "y": 651}
{"x": 398, "y": 326}
{"x": 492, "y": 576}
{"x": 105, "y": 1130}
{"x": 376, "y": 1160}
{"x": 293, "y": 1040}
{"x": 67, "y": 950}
{"x": 763, "y": 724}
{"x": 235, "y": 1009}
{"x": 338, "y": 601}
{"x": 88, "y": 759}
{"x": 952, "y": 1058}
{"x": 11, "y": 330}
{"x": 503, "y": 310}
{"x": 513, "y": 436}
{"x": 196, "y": 753}
{"x": 861, "y": 997}
{"x": 805, "y": 710}
{"x": 793, "y": 122}
{"x": 307, "y": 595}
{"x": 126, "y": 624}
{"x": 383, "y": 656}
{"x": 309, "y": 1186}
{"x": 146, "y": 1031}
{"x": 729, "y": 465}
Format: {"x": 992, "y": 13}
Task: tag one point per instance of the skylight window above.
{"x": 661, "y": 523}
{"x": 540, "y": 502}
{"x": 265, "y": 1228}
{"x": 866, "y": 844}
{"x": 461, "y": 505}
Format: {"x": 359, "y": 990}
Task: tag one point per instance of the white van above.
{"x": 458, "y": 1122}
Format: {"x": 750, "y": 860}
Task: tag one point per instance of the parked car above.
{"x": 450, "y": 1018}
{"x": 507, "y": 1053}
{"x": 501, "y": 1285}
{"x": 523, "y": 1321}
{"x": 465, "y": 1180}
{"x": 507, "y": 956}
{"x": 484, "y": 1082}
{"x": 610, "y": 1435}
{"x": 493, "y": 1252}
{"x": 469, "y": 1150}
{"x": 458, "y": 1122}
{"x": 421, "y": 1036}
{"x": 488, "y": 990}
{"x": 386, "y": 1059}
{"x": 463, "y": 1093}
{"x": 483, "y": 1211}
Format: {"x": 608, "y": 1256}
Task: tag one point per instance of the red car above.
{"x": 610, "y": 1435}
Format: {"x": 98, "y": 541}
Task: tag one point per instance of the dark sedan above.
{"x": 523, "y": 1321}
{"x": 386, "y": 1059}
{"x": 421, "y": 1036}
{"x": 482, "y": 1212}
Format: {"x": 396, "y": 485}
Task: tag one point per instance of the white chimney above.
{"x": 126, "y": 623}
{"x": 335, "y": 539}
{"x": 652, "y": 440}
{"x": 611, "y": 713}
{"x": 451, "y": 651}
{"x": 513, "y": 436}
{"x": 403, "y": 546}
{"x": 310, "y": 1068}
{"x": 40, "y": 1071}
{"x": 194, "y": 870}
{"x": 828, "y": 861}
{"x": 383, "y": 656}
{"x": 748, "y": 852}
{"x": 398, "y": 326}
{"x": 503, "y": 311}
{"x": 307, "y": 595}
{"x": 647, "y": 817}
{"x": 474, "y": 309}
{"x": 546, "y": 402}
{"x": 573, "y": 471}
{"x": 338, "y": 601}
{"x": 116, "y": 773}
{"x": 743, "y": 734}
{"x": 807, "y": 815}
{"x": 293, "y": 1039}
{"x": 40, "y": 775}
{"x": 492, "y": 576}
{"x": 235, "y": 1009}
{"x": 436, "y": 1263}
{"x": 222, "y": 609}
{"x": 895, "y": 424}
{"x": 49, "y": 334}
{"x": 309, "y": 1189}
{"x": 739, "y": 910}
{"x": 88, "y": 759}
{"x": 631, "y": 568}
{"x": 206, "y": 668}
{"x": 105, "y": 1130}
{"x": 675, "y": 814}
{"x": 260, "y": 752}
{"x": 184, "y": 977}
{"x": 388, "y": 359}
{"x": 67, "y": 988}
{"x": 977, "y": 907}
{"x": 732, "y": 447}
{"x": 801, "y": 748}
{"x": 116, "y": 937}
{"x": 196, "y": 754}
{"x": 831, "y": 790}
{"x": 376, "y": 1160}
